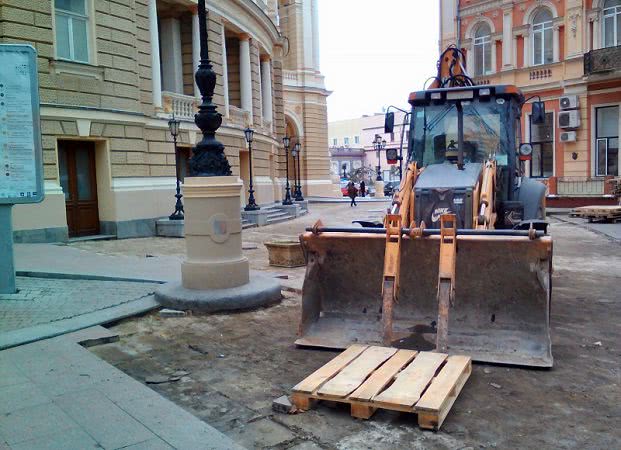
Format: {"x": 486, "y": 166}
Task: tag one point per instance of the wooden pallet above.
{"x": 369, "y": 378}
{"x": 610, "y": 212}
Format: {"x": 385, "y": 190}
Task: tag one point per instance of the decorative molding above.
{"x": 60, "y": 67}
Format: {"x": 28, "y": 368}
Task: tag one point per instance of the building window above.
{"x": 607, "y": 141}
{"x": 335, "y": 142}
{"x": 543, "y": 41}
{"x": 71, "y": 22}
{"x": 542, "y": 140}
{"x": 356, "y": 139}
{"x": 483, "y": 50}
{"x": 346, "y": 141}
{"x": 612, "y": 23}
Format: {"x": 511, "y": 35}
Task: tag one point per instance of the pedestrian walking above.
{"x": 352, "y": 191}
{"x": 363, "y": 189}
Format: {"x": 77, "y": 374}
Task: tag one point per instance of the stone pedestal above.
{"x": 216, "y": 275}
{"x": 213, "y": 234}
{"x": 379, "y": 189}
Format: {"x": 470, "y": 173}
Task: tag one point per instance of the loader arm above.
{"x": 485, "y": 216}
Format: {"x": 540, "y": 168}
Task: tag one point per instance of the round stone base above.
{"x": 260, "y": 291}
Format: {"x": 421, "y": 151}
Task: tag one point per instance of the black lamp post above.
{"x": 344, "y": 170}
{"x": 252, "y": 204}
{"x": 173, "y": 126}
{"x": 379, "y": 145}
{"x": 294, "y": 154}
{"x": 298, "y": 189}
{"x": 208, "y": 158}
{"x": 287, "y": 201}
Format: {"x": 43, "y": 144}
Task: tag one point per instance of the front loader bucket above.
{"x": 501, "y": 310}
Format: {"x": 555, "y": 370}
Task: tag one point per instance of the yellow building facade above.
{"x": 113, "y": 72}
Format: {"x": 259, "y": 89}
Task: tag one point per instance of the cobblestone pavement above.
{"x": 46, "y": 300}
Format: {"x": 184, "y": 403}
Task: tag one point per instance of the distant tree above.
{"x": 362, "y": 173}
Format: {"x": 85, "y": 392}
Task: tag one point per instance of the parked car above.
{"x": 389, "y": 187}
{"x": 344, "y": 187}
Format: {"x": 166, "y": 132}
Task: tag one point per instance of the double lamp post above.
{"x": 297, "y": 187}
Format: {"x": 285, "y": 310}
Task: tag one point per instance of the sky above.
{"x": 375, "y": 52}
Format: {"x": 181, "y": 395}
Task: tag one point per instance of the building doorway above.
{"x": 76, "y": 164}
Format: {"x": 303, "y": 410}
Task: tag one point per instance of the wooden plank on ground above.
{"x": 383, "y": 376}
{"x": 315, "y": 380}
{"x": 355, "y": 373}
{"x": 443, "y": 391}
{"x": 412, "y": 381}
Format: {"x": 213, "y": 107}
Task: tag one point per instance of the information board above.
{"x": 21, "y": 164}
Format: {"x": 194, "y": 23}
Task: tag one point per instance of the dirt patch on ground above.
{"x": 237, "y": 364}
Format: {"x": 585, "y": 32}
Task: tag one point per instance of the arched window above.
{"x": 482, "y": 50}
{"x": 611, "y": 30}
{"x": 543, "y": 44}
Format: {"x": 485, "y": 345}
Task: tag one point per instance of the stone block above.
{"x": 136, "y": 158}
{"x": 34, "y": 422}
{"x": 170, "y": 228}
{"x": 152, "y": 134}
{"x": 283, "y": 405}
{"x": 114, "y": 130}
{"x": 18, "y": 15}
{"x": 158, "y": 158}
{"x": 130, "y": 145}
{"x": 134, "y": 132}
{"x": 69, "y": 128}
{"x": 162, "y": 171}
{"x": 171, "y": 313}
{"x": 285, "y": 253}
{"x": 51, "y": 127}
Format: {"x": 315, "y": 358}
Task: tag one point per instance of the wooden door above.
{"x": 76, "y": 161}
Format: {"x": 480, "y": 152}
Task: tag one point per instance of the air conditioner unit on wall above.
{"x": 568, "y": 136}
{"x": 569, "y": 102}
{"x": 569, "y": 119}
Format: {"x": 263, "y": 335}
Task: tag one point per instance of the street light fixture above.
{"x": 173, "y": 127}
{"x": 379, "y": 144}
{"x": 287, "y": 201}
{"x": 294, "y": 155}
{"x": 298, "y": 190}
{"x": 252, "y": 204}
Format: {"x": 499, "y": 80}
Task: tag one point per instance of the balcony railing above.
{"x": 183, "y": 106}
{"x": 580, "y": 187}
{"x": 602, "y": 60}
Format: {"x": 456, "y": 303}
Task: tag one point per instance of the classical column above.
{"x": 196, "y": 47}
{"x": 225, "y": 73}
{"x": 172, "y": 62}
{"x": 494, "y": 52}
{"x": 597, "y": 34}
{"x": 156, "y": 78}
{"x": 245, "y": 76}
{"x": 266, "y": 86}
{"x": 514, "y": 51}
{"x": 307, "y": 33}
{"x": 556, "y": 49}
{"x": 507, "y": 38}
{"x": 527, "y": 61}
{"x": 315, "y": 25}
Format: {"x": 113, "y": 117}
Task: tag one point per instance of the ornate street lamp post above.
{"x": 208, "y": 158}
{"x": 287, "y": 201}
{"x": 173, "y": 126}
{"x": 252, "y": 204}
{"x": 379, "y": 145}
{"x": 294, "y": 154}
{"x": 298, "y": 189}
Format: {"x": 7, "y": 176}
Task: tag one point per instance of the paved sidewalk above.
{"x": 44, "y": 300}
{"x": 57, "y": 395}
{"x": 612, "y": 230}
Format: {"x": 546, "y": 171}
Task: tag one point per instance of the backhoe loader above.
{"x": 463, "y": 261}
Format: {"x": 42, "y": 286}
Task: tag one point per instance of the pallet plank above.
{"x": 383, "y": 376}
{"x": 436, "y": 402}
{"x": 412, "y": 381}
{"x": 354, "y": 374}
{"x": 317, "y": 379}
